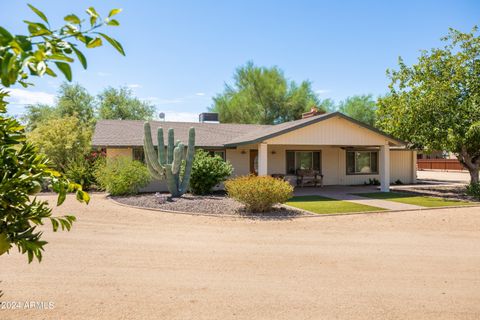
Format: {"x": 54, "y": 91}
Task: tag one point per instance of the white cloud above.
{"x": 200, "y": 94}
{"x": 22, "y": 96}
{"x": 323, "y": 91}
{"x": 134, "y": 85}
{"x": 180, "y": 116}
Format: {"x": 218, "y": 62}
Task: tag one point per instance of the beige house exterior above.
{"x": 343, "y": 150}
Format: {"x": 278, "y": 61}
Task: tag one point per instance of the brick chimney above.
{"x": 314, "y": 111}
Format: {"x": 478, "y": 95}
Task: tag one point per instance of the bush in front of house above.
{"x": 473, "y": 190}
{"x": 82, "y": 170}
{"x": 207, "y": 172}
{"x": 122, "y": 176}
{"x": 259, "y": 194}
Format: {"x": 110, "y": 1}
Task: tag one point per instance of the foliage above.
{"x": 372, "y": 182}
{"x": 263, "y": 95}
{"x": 259, "y": 194}
{"x": 473, "y": 189}
{"x": 207, "y": 172}
{"x": 74, "y": 100}
{"x": 435, "y": 104}
{"x": 38, "y": 113}
{"x": 32, "y": 54}
{"x": 62, "y": 140}
{"x": 23, "y": 168}
{"x": 169, "y": 166}
{"x": 360, "y": 107}
{"x": 71, "y": 100}
{"x": 82, "y": 170}
{"x": 120, "y": 104}
{"x": 122, "y": 176}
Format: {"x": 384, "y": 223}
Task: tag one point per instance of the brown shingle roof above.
{"x": 123, "y": 133}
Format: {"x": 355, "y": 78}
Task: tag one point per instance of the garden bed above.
{"x": 216, "y": 204}
{"x": 449, "y": 192}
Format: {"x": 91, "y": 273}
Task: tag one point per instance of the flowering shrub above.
{"x": 259, "y": 194}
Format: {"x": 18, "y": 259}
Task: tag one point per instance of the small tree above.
{"x": 207, "y": 172}
{"x": 435, "y": 104}
{"x": 23, "y": 168}
{"x": 62, "y": 140}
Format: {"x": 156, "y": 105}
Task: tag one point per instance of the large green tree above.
{"x": 360, "y": 107}
{"x": 121, "y": 104}
{"x": 435, "y": 103}
{"x": 23, "y": 169}
{"x": 71, "y": 100}
{"x": 263, "y": 95}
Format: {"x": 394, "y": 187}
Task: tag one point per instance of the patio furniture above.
{"x": 309, "y": 177}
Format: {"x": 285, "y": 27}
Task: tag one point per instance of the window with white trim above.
{"x": 304, "y": 160}
{"x": 362, "y": 162}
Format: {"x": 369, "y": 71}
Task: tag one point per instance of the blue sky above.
{"x": 180, "y": 53}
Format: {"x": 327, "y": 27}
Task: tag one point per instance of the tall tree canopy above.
{"x": 360, "y": 107}
{"x": 71, "y": 100}
{"x": 435, "y": 103}
{"x": 120, "y": 104}
{"x": 263, "y": 95}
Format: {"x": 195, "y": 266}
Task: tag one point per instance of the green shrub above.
{"x": 207, "y": 172}
{"x": 473, "y": 190}
{"x": 259, "y": 194}
{"x": 122, "y": 176}
{"x": 82, "y": 170}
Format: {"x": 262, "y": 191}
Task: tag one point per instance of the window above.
{"x": 305, "y": 160}
{"x": 213, "y": 153}
{"x": 362, "y": 162}
{"x": 138, "y": 154}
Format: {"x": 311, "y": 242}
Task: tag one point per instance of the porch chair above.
{"x": 305, "y": 177}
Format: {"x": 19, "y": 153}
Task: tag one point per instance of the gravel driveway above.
{"x": 123, "y": 263}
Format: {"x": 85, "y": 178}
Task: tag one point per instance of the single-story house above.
{"x": 344, "y": 150}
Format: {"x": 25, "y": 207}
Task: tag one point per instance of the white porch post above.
{"x": 262, "y": 159}
{"x": 414, "y": 166}
{"x": 385, "y": 167}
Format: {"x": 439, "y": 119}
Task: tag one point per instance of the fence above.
{"x": 439, "y": 164}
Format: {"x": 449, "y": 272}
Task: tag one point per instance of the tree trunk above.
{"x": 470, "y": 163}
{"x": 473, "y": 175}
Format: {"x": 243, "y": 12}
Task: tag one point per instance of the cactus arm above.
{"x": 177, "y": 158}
{"x": 153, "y": 173}
{"x": 161, "y": 147}
{"x": 189, "y": 160}
{"x": 171, "y": 184}
{"x": 150, "y": 155}
{"x": 171, "y": 146}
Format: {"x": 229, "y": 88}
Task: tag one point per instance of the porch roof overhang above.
{"x": 263, "y": 134}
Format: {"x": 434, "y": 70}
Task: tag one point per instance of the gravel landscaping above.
{"x": 450, "y": 192}
{"x": 218, "y": 204}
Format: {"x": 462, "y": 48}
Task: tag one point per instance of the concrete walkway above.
{"x": 347, "y": 193}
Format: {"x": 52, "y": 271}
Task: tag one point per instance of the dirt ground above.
{"x": 122, "y": 263}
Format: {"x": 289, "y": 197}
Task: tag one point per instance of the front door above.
{"x": 254, "y": 162}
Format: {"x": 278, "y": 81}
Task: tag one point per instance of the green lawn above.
{"x": 409, "y": 198}
{"x": 323, "y": 205}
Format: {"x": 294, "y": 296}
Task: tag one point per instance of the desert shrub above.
{"x": 207, "y": 172}
{"x": 259, "y": 194}
{"x": 372, "y": 182}
{"x": 473, "y": 190}
{"x": 82, "y": 170}
{"x": 121, "y": 176}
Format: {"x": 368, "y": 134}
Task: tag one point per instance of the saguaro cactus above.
{"x": 168, "y": 166}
